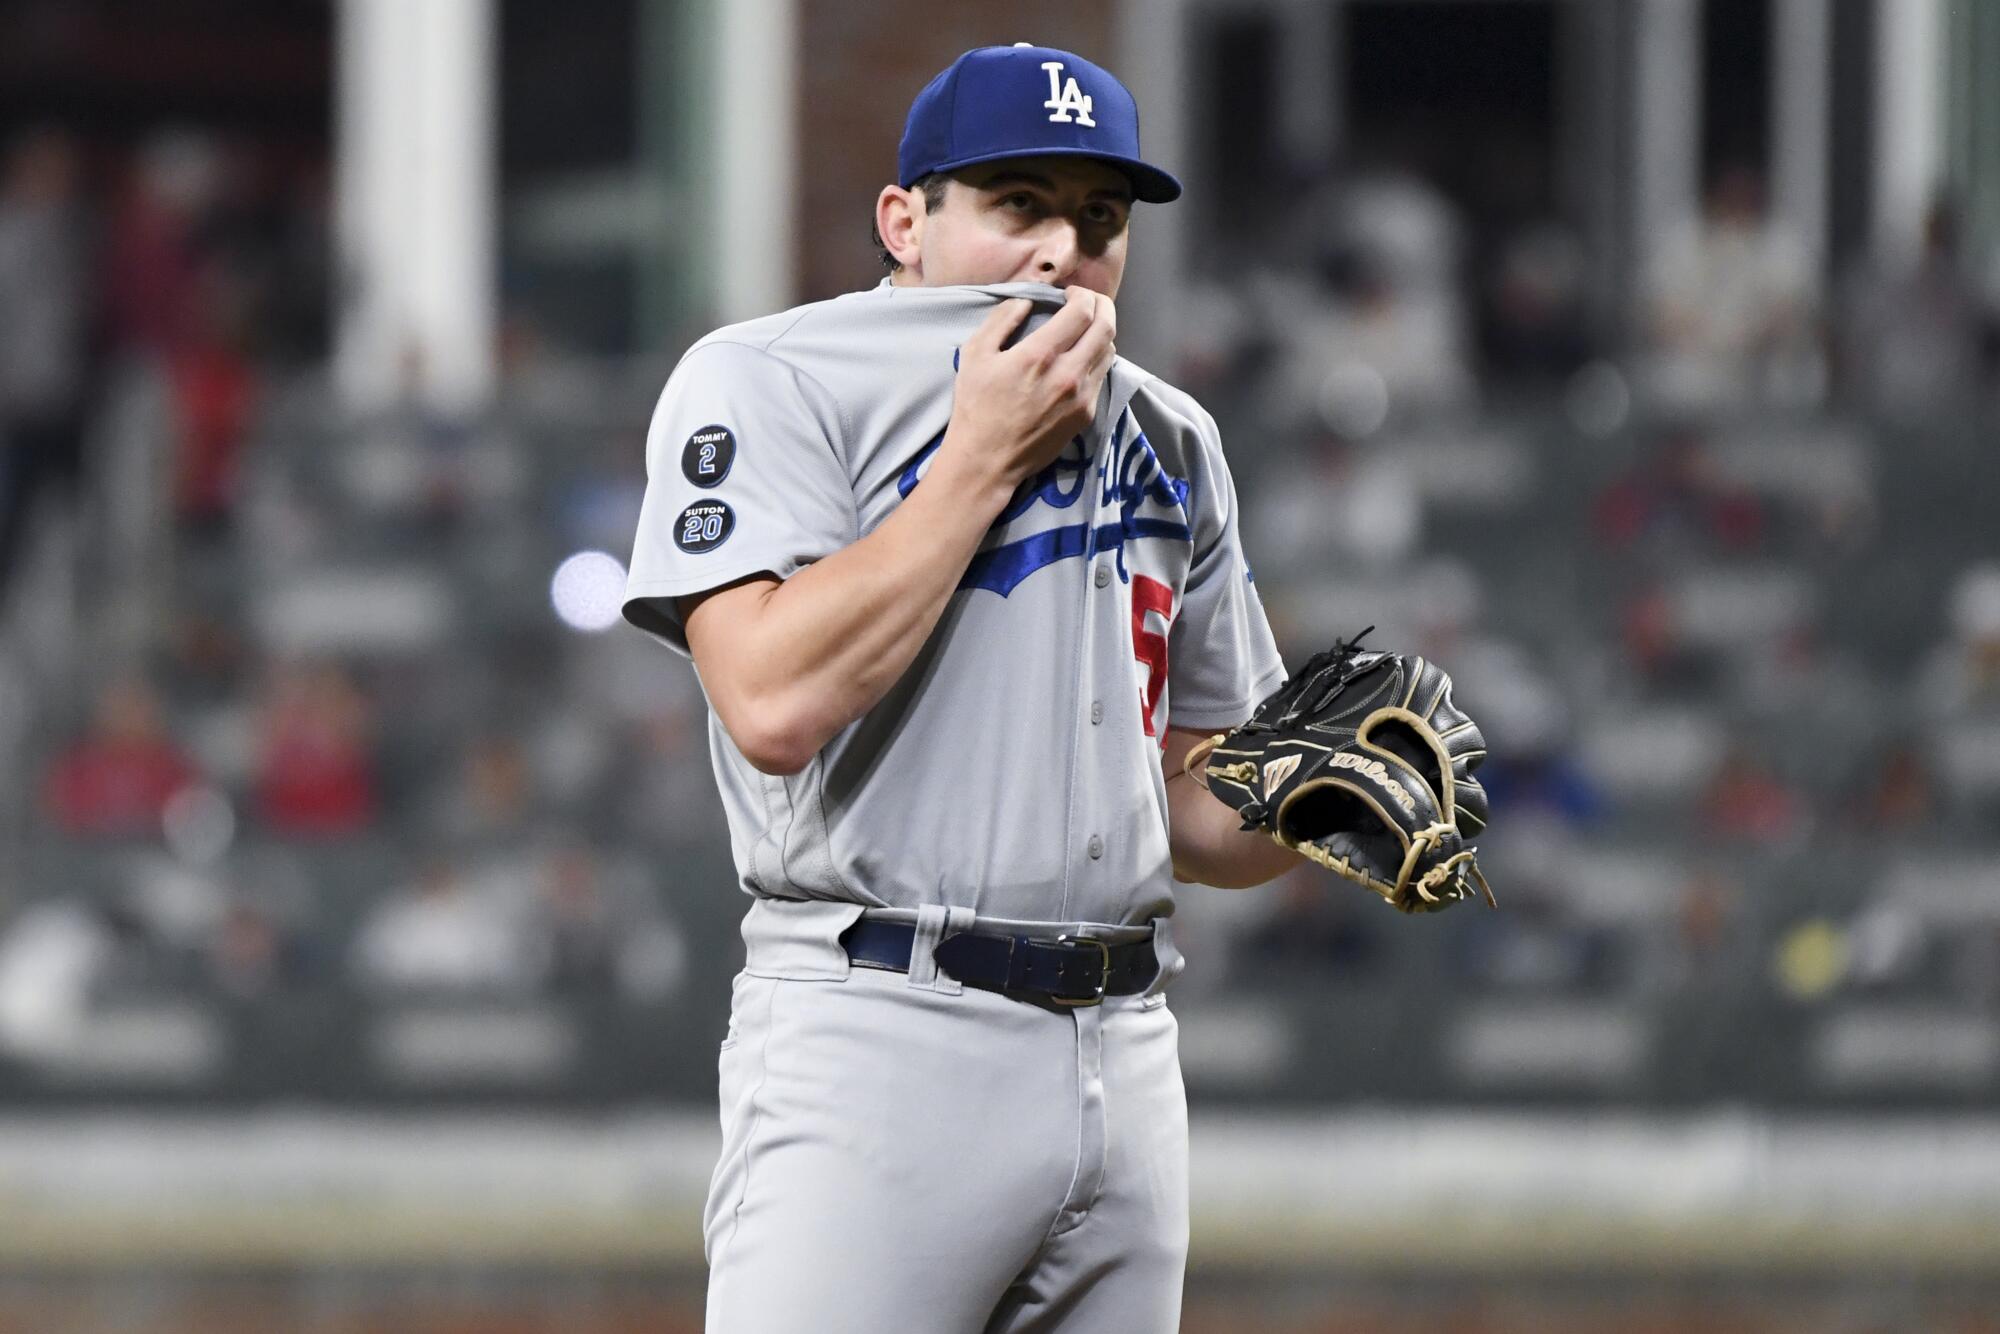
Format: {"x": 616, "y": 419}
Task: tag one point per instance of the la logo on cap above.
{"x": 1066, "y": 97}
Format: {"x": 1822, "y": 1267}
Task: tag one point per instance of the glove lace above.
{"x": 1328, "y": 666}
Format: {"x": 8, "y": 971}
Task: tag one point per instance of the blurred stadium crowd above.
{"x": 303, "y": 713}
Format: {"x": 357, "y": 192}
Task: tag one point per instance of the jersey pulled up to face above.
{"x": 1015, "y": 767}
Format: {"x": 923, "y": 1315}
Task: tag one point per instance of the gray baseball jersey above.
{"x": 1014, "y": 769}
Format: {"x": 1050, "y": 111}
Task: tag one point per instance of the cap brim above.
{"x": 1150, "y": 185}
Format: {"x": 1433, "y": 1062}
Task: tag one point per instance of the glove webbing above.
{"x": 1336, "y": 657}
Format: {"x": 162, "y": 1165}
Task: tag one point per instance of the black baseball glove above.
{"x": 1363, "y": 763}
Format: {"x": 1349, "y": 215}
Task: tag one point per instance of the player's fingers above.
{"x": 1093, "y": 349}
{"x": 1063, "y": 329}
{"x": 1091, "y": 375}
{"x": 1004, "y": 318}
{"x": 1103, "y": 331}
{"x": 1100, "y": 366}
{"x": 1107, "y": 310}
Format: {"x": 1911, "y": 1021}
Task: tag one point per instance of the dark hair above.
{"x": 933, "y": 187}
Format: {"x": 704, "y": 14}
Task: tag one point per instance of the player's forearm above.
{"x": 1211, "y": 847}
{"x": 833, "y": 638}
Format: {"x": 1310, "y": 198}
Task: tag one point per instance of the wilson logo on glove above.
{"x": 1374, "y": 769}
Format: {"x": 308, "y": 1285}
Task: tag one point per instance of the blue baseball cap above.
{"x": 1026, "y": 101}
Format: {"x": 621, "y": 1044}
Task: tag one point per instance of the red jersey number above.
{"x": 1148, "y": 646}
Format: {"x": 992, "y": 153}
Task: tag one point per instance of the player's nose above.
{"x": 1058, "y": 255}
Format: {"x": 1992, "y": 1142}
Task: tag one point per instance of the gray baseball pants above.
{"x": 903, "y": 1156}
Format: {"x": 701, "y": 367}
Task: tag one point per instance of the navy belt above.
{"x": 1070, "y": 970}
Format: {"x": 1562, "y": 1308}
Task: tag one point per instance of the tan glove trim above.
{"x": 1447, "y": 798}
{"x": 1198, "y": 753}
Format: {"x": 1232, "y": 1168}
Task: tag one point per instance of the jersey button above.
{"x": 1095, "y": 847}
{"x": 1097, "y": 711}
{"x": 1103, "y": 575}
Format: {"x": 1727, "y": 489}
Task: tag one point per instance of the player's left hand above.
{"x": 1363, "y": 763}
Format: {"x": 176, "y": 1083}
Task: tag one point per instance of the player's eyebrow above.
{"x": 1001, "y": 179}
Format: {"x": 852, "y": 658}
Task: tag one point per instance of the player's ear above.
{"x": 899, "y": 220}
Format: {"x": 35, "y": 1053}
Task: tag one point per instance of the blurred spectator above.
{"x": 1675, "y": 499}
{"x": 315, "y": 775}
{"x": 1367, "y": 321}
{"x": 52, "y": 954}
{"x": 445, "y": 934}
{"x": 1405, "y": 226}
{"x": 1656, "y": 653}
{"x": 186, "y": 282}
{"x": 1815, "y": 479}
{"x": 153, "y": 273}
{"x": 275, "y": 234}
{"x": 1746, "y": 801}
{"x": 1897, "y": 794}
{"x": 207, "y": 654}
{"x": 1315, "y": 927}
{"x": 1538, "y": 945}
{"x": 247, "y": 953}
{"x": 599, "y": 508}
{"x": 1730, "y": 305}
{"x": 1708, "y": 903}
{"x": 1543, "y": 782}
{"x": 1355, "y": 352}
{"x": 262, "y": 939}
{"x": 116, "y": 780}
{"x": 605, "y": 933}
{"x": 1534, "y": 327}
{"x": 1914, "y": 339}
{"x": 214, "y": 391}
{"x": 1888, "y": 944}
{"x": 45, "y": 329}
{"x": 1703, "y": 927}
{"x": 1341, "y": 504}
{"x": 489, "y": 799}
{"x": 667, "y": 793}
{"x": 1817, "y": 682}
{"x": 421, "y": 462}
{"x": 1531, "y": 774}
{"x": 60, "y": 954}
{"x": 1962, "y": 674}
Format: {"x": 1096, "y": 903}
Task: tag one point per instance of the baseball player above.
{"x": 962, "y": 589}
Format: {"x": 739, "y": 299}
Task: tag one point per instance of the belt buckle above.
{"x": 1103, "y": 972}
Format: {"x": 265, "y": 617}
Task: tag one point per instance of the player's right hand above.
{"x": 1014, "y": 408}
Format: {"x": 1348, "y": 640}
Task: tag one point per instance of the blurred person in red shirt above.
{"x": 1657, "y": 653}
{"x": 117, "y": 779}
{"x": 179, "y": 303}
{"x": 1746, "y": 801}
{"x": 153, "y": 267}
{"x": 316, "y": 773}
{"x": 214, "y": 392}
{"x": 1677, "y": 497}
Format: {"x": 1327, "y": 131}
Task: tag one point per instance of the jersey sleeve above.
{"x": 744, "y": 475}
{"x": 1222, "y": 657}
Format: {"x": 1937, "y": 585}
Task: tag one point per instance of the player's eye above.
{"x": 1019, "y": 202}
{"x": 1103, "y": 215}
